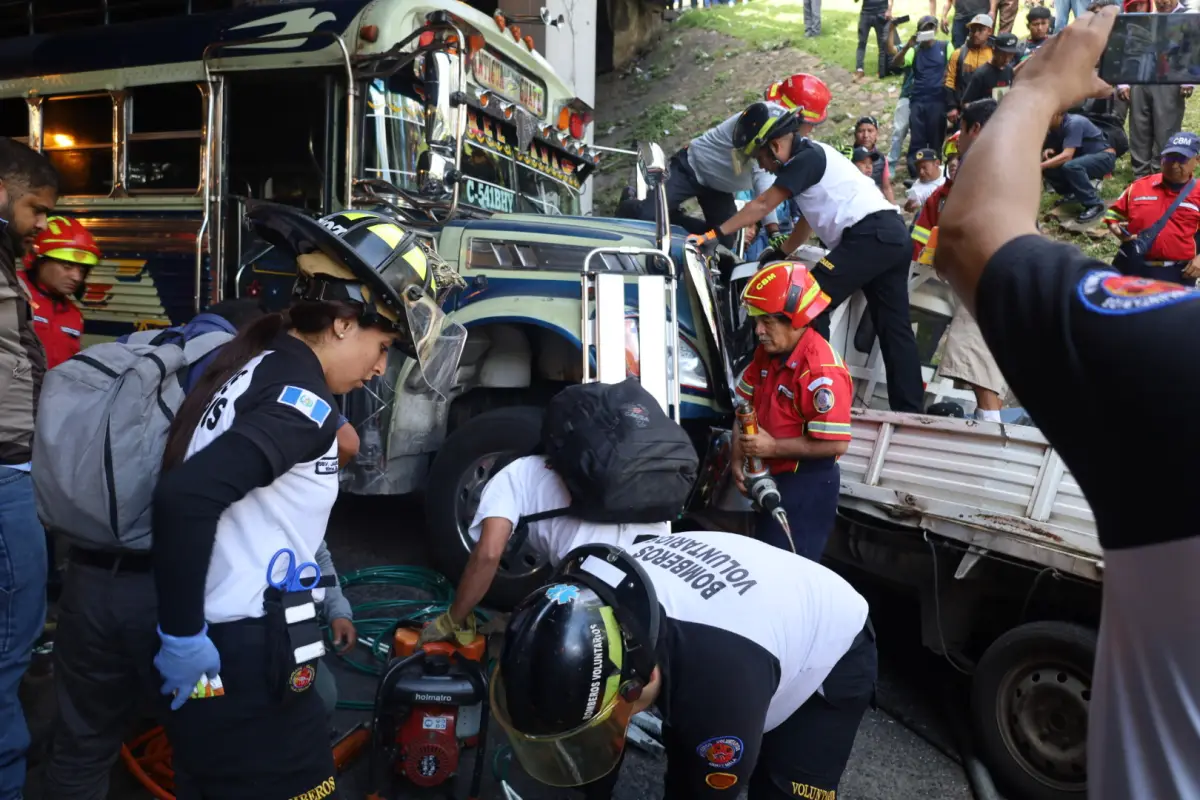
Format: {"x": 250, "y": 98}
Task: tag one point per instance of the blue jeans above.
{"x": 1062, "y": 8}
{"x": 958, "y": 29}
{"x": 22, "y": 615}
{"x": 1076, "y": 176}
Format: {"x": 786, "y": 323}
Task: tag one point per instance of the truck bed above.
{"x": 994, "y": 487}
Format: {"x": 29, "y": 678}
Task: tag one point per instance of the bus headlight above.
{"x": 691, "y": 367}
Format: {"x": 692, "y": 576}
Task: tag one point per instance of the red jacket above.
{"x": 58, "y": 323}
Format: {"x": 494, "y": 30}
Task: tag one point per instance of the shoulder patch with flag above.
{"x": 306, "y": 402}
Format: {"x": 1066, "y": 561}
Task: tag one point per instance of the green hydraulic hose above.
{"x": 374, "y": 619}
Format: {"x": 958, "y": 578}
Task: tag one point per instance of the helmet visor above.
{"x": 436, "y": 342}
{"x": 576, "y": 757}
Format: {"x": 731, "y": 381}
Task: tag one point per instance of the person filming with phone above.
{"x": 1082, "y": 324}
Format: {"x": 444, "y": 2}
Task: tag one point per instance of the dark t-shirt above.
{"x": 1106, "y": 366}
{"x": 965, "y": 9}
{"x": 1078, "y": 132}
{"x": 985, "y": 80}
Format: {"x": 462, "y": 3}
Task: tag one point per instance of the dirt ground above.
{"x": 693, "y": 79}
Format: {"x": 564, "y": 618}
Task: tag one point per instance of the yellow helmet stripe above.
{"x": 616, "y": 654}
{"x": 72, "y": 255}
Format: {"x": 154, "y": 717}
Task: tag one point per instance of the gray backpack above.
{"x": 101, "y": 430}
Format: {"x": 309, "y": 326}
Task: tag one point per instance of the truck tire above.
{"x": 474, "y": 452}
{"x": 1029, "y": 704}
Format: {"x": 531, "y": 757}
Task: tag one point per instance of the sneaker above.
{"x": 859, "y": 74}
{"x": 1090, "y": 214}
{"x": 1066, "y": 198}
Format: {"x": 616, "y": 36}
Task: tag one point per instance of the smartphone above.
{"x": 1153, "y": 48}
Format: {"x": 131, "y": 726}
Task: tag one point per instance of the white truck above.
{"x": 987, "y": 525}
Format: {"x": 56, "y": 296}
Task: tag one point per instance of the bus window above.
{"x": 276, "y": 136}
{"x": 541, "y": 194}
{"x": 394, "y": 135}
{"x": 164, "y": 139}
{"x": 77, "y": 139}
{"x": 14, "y": 119}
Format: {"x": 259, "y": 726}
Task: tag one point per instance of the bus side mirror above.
{"x": 653, "y": 169}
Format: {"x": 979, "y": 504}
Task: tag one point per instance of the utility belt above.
{"x": 295, "y": 642}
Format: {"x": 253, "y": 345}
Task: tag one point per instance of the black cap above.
{"x": 1039, "y": 12}
{"x": 1005, "y": 43}
{"x": 927, "y": 154}
{"x": 863, "y": 154}
{"x": 927, "y": 21}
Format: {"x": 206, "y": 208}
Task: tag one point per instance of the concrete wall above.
{"x": 635, "y": 24}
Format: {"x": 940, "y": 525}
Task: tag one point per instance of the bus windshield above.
{"x": 495, "y": 178}
{"x": 393, "y": 136}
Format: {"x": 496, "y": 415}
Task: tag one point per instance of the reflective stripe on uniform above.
{"x": 920, "y": 235}
{"x": 744, "y": 388}
{"x": 829, "y": 428}
{"x": 1115, "y": 216}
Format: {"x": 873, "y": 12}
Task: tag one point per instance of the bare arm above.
{"x": 481, "y": 567}
{"x": 799, "y": 235}
{"x": 753, "y": 211}
{"x": 998, "y": 189}
{"x": 347, "y": 444}
{"x": 1057, "y": 161}
{"x": 898, "y": 59}
{"x": 887, "y": 187}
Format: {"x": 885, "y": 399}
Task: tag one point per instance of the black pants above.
{"x": 927, "y": 128}
{"x": 265, "y": 739}
{"x": 810, "y": 497}
{"x": 103, "y": 669}
{"x": 804, "y": 756}
{"x": 872, "y": 20}
{"x": 807, "y": 754}
{"x": 1138, "y": 267}
{"x": 683, "y": 185}
{"x": 874, "y": 255}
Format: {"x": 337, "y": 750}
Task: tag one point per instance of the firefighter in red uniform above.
{"x": 801, "y": 393}
{"x": 56, "y": 269}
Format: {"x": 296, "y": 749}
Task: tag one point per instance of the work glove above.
{"x": 769, "y": 255}
{"x": 704, "y": 242}
{"x": 183, "y": 661}
{"x": 443, "y": 628}
{"x": 776, "y": 242}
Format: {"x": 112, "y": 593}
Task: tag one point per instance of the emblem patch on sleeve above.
{"x": 306, "y": 402}
{"x": 721, "y": 752}
{"x": 823, "y": 400}
{"x": 1111, "y": 293}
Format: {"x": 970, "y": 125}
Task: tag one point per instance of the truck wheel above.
{"x": 1029, "y": 701}
{"x": 474, "y": 452}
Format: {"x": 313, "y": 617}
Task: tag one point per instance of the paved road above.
{"x": 889, "y": 759}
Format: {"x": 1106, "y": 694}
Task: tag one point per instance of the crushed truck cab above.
{"x": 523, "y": 308}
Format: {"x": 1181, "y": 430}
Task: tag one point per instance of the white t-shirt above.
{"x": 529, "y": 486}
{"x": 921, "y": 190}
{"x": 803, "y": 614}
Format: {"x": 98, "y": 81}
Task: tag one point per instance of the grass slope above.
{"x": 773, "y": 30}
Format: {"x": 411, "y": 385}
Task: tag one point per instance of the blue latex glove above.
{"x": 183, "y": 660}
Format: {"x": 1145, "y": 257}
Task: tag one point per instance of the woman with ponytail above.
{"x": 250, "y": 474}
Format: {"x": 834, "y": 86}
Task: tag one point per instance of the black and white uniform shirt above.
{"x": 280, "y": 402}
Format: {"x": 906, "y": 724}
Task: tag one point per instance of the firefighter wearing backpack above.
{"x": 562, "y": 498}
{"x": 250, "y": 475}
{"x": 801, "y": 392}
{"x": 56, "y": 270}
{"x": 761, "y": 663}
